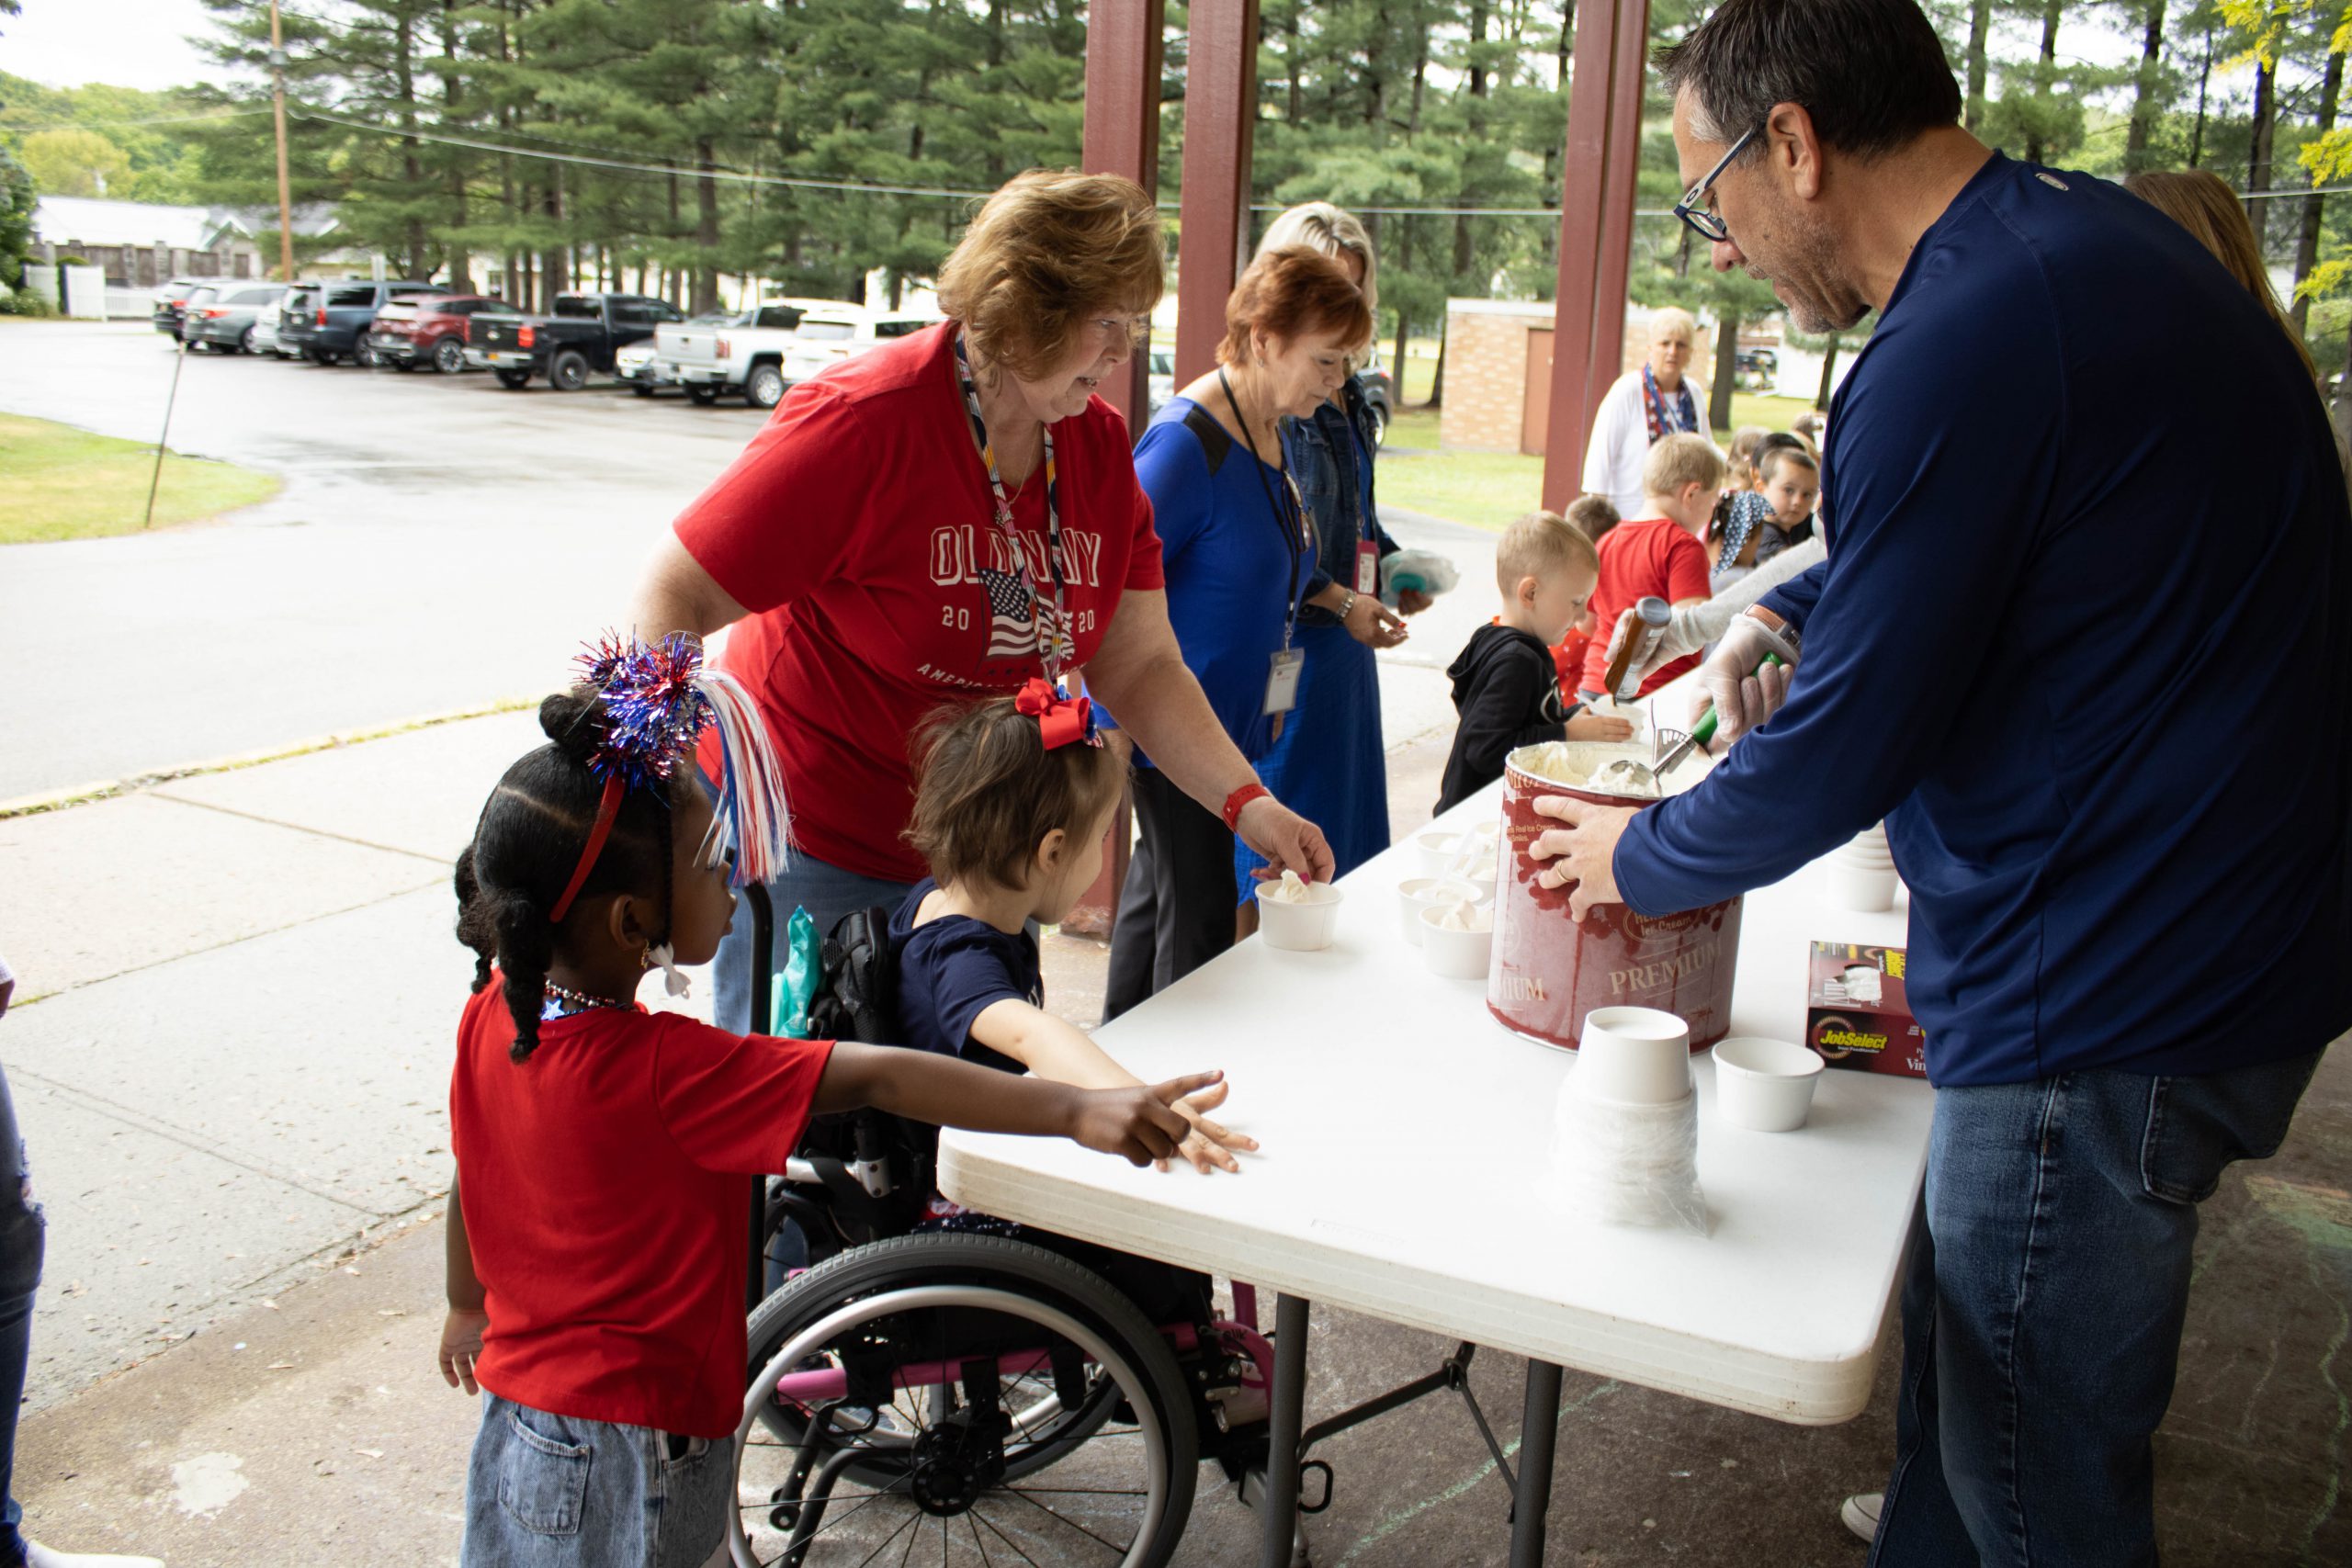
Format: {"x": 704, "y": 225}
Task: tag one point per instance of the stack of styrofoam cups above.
{"x": 1862, "y": 873}
{"x": 1626, "y": 1142}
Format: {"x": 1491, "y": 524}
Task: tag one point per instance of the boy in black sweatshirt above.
{"x": 1506, "y": 688}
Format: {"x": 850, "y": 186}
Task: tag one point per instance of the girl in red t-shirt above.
{"x": 597, "y": 1226}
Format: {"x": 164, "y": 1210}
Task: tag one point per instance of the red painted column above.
{"x": 1220, "y": 117}
{"x": 1597, "y": 182}
{"x": 1124, "y": 51}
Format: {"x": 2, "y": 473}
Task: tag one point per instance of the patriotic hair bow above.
{"x": 657, "y": 699}
{"x": 1061, "y": 718}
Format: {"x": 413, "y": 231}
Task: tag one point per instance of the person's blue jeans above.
{"x": 2042, "y": 1309}
{"x": 827, "y": 892}
{"x": 558, "y": 1492}
{"x": 23, "y": 1238}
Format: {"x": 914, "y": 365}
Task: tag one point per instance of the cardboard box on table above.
{"x": 1857, "y": 1016}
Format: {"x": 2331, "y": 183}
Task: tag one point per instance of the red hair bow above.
{"x": 1061, "y": 719}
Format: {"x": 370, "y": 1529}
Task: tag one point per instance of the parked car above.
{"x": 1380, "y": 394}
{"x": 743, "y": 354}
{"x": 1162, "y": 377}
{"x": 823, "y": 340}
{"x": 584, "y": 334}
{"x": 337, "y": 312}
{"x": 430, "y": 329}
{"x": 642, "y": 367}
{"x": 228, "y": 321}
{"x": 171, "y": 301}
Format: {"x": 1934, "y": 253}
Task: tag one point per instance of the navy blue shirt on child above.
{"x": 2082, "y": 642}
{"x": 953, "y": 969}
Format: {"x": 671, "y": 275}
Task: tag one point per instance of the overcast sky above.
{"x": 143, "y": 43}
{"x": 129, "y": 43}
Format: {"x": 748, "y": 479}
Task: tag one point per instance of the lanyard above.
{"x": 1053, "y": 622}
{"x": 1296, "y": 539}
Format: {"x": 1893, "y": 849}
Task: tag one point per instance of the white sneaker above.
{"x": 1860, "y": 1513}
{"x": 40, "y": 1556}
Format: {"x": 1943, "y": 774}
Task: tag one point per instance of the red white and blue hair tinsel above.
{"x": 657, "y": 699}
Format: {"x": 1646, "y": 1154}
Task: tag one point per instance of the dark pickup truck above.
{"x": 582, "y": 335}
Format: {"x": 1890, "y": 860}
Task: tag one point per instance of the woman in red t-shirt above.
{"x": 948, "y": 515}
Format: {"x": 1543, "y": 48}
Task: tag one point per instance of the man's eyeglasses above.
{"x": 1693, "y": 208}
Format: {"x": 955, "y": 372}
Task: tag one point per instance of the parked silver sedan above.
{"x": 230, "y": 322}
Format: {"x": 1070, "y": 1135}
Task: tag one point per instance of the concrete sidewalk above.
{"x": 231, "y": 1058}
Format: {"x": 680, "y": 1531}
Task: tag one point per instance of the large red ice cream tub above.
{"x": 1550, "y": 970}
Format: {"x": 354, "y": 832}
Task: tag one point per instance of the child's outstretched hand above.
{"x": 1139, "y": 1124}
{"x": 1209, "y": 1143}
{"x": 461, "y": 1347}
{"x": 1590, "y": 726}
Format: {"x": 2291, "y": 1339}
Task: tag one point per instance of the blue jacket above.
{"x": 1331, "y": 455}
{"x": 2084, "y": 639}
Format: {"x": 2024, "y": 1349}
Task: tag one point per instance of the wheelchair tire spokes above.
{"x": 974, "y": 1343}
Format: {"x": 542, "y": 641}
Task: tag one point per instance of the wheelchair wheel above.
{"x": 959, "y": 1400}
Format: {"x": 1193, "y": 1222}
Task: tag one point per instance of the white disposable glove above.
{"x": 1736, "y": 682}
{"x": 1695, "y": 625}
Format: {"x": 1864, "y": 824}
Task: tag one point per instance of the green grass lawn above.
{"x": 1486, "y": 490}
{"x": 57, "y": 482}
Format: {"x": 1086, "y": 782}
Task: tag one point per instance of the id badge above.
{"x": 1368, "y": 570}
{"x": 1282, "y": 679}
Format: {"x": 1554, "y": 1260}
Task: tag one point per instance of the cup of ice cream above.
{"x": 1458, "y": 939}
{"x": 1297, "y": 916}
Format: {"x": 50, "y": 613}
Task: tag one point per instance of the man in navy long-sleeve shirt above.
{"x": 2084, "y": 639}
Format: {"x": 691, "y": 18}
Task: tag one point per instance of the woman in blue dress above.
{"x": 1331, "y": 751}
{"x": 1238, "y": 552}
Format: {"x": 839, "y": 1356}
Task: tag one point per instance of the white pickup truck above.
{"x": 714, "y": 358}
{"x": 825, "y": 338}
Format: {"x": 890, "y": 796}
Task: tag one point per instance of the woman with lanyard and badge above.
{"x": 1239, "y": 556}
{"x": 940, "y": 519}
{"x": 1642, "y": 408}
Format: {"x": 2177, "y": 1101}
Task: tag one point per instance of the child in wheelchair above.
{"x": 597, "y": 1225}
{"x": 1014, "y": 799}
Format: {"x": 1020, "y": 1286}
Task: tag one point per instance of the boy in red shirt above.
{"x": 1592, "y": 516}
{"x": 1659, "y": 555}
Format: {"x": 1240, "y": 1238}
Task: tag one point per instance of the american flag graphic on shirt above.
{"x": 1012, "y": 617}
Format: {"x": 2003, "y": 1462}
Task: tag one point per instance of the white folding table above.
{"x": 1406, "y": 1175}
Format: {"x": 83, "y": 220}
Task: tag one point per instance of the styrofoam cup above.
{"x": 1764, "y": 1085}
{"x": 1437, "y": 851}
{"x": 1415, "y": 893}
{"x": 1305, "y": 926}
{"x": 1462, "y": 956}
{"x": 1634, "y": 1055}
{"x": 1862, "y": 886}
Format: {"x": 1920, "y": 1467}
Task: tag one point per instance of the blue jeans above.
{"x": 2042, "y": 1310}
{"x": 556, "y": 1491}
{"x": 827, "y": 892}
{"x": 23, "y": 1238}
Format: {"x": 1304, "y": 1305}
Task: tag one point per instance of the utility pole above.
{"x": 285, "y": 198}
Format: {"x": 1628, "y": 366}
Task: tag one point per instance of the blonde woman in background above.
{"x": 1330, "y": 751}
{"x": 1640, "y": 408}
{"x": 2210, "y": 210}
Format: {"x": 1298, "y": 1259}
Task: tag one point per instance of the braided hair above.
{"x": 529, "y": 842}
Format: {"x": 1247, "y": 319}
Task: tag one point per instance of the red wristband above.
{"x": 1241, "y": 797}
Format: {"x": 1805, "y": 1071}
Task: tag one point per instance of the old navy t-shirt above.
{"x": 606, "y": 1200}
{"x": 859, "y": 529}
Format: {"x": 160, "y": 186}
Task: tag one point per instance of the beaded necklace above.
{"x": 561, "y": 1001}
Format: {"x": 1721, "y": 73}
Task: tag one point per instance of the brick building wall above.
{"x": 1487, "y": 345}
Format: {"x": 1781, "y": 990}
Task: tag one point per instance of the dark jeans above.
{"x": 23, "y": 1234}
{"x": 2042, "y": 1312}
{"x": 1177, "y": 911}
